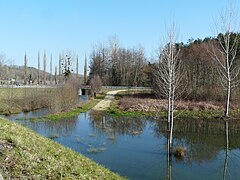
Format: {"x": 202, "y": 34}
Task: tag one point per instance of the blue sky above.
{"x": 57, "y": 25}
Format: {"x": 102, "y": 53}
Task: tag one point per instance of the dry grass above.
{"x": 151, "y": 104}
{"x": 13, "y": 100}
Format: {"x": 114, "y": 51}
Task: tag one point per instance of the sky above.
{"x": 77, "y": 25}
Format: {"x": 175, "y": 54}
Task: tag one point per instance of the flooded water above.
{"x": 137, "y": 147}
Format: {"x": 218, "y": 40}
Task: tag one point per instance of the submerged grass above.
{"x": 27, "y": 155}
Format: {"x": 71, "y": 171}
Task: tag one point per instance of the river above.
{"x": 137, "y": 147}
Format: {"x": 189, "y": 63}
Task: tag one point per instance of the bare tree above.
{"x": 51, "y": 69}
{"x": 55, "y": 75}
{"x": 39, "y": 75}
{"x": 96, "y": 84}
{"x": 44, "y": 68}
{"x": 77, "y": 68}
{"x": 168, "y": 76}
{"x": 60, "y": 68}
{"x": 25, "y": 68}
{"x": 85, "y": 71}
{"x": 224, "y": 50}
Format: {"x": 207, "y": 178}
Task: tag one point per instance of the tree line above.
{"x": 68, "y": 67}
{"x": 119, "y": 66}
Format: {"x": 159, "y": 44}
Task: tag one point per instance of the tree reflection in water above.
{"x": 114, "y": 126}
{"x": 60, "y": 127}
{"x": 226, "y": 157}
{"x": 144, "y": 142}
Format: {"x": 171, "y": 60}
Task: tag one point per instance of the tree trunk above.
{"x": 228, "y": 99}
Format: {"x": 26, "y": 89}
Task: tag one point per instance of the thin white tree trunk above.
{"x": 228, "y": 98}
{"x": 169, "y": 109}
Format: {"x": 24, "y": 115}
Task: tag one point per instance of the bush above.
{"x": 65, "y": 97}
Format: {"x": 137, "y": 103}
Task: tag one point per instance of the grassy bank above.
{"x": 27, "y": 155}
{"x": 134, "y": 103}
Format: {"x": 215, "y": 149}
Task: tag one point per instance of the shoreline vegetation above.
{"x": 75, "y": 111}
{"x": 144, "y": 103}
{"x": 25, "y": 154}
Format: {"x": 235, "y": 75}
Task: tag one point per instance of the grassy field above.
{"x": 27, "y": 155}
{"x": 15, "y": 100}
{"x": 144, "y": 103}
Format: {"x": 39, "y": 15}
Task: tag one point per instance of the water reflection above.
{"x": 227, "y": 145}
{"x": 138, "y": 147}
{"x": 114, "y": 126}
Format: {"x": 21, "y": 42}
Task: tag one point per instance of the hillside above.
{"x": 17, "y": 73}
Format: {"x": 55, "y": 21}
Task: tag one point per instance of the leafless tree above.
{"x": 77, "y": 67}
{"x": 168, "y": 76}
{"x": 60, "y": 69}
{"x": 224, "y": 50}
{"x": 39, "y": 71}
{"x": 55, "y": 75}
{"x": 96, "y": 83}
{"x": 51, "y": 69}
{"x": 25, "y": 68}
{"x": 85, "y": 71}
{"x": 44, "y": 68}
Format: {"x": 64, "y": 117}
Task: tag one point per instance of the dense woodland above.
{"x": 119, "y": 66}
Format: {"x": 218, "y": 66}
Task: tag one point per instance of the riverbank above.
{"x": 74, "y": 112}
{"x": 26, "y": 155}
{"x": 133, "y": 103}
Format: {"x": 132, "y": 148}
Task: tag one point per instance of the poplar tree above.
{"x": 44, "y": 66}
{"x": 25, "y": 68}
{"x": 85, "y": 71}
{"x": 77, "y": 68}
{"x": 51, "y": 69}
{"x": 39, "y": 75}
{"x": 55, "y": 75}
{"x": 60, "y": 68}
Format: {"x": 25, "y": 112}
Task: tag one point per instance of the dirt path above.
{"x": 105, "y": 103}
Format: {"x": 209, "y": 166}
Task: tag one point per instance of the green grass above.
{"x": 26, "y": 155}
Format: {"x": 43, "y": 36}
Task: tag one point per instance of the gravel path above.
{"x": 105, "y": 103}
